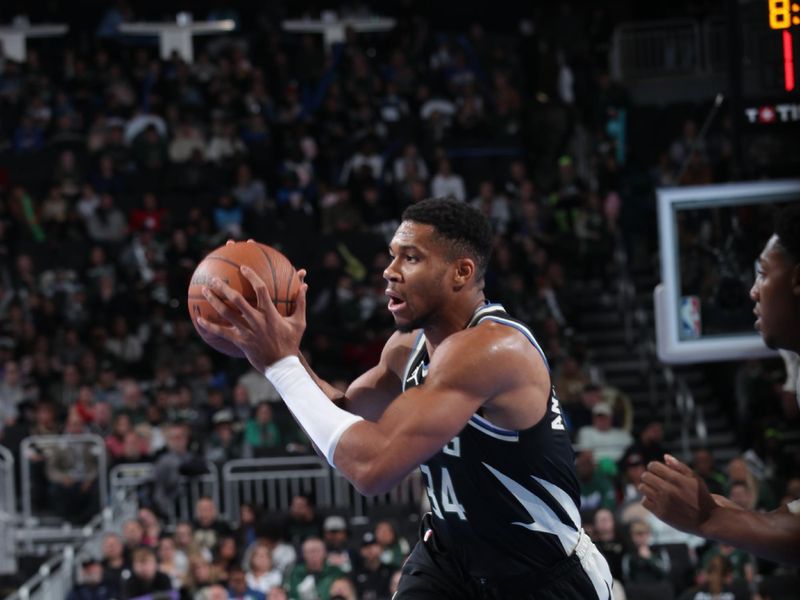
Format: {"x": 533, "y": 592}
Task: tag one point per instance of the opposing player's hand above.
{"x": 260, "y": 332}
{"x": 676, "y": 495}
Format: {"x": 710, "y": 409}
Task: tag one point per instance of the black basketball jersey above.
{"x": 506, "y": 502}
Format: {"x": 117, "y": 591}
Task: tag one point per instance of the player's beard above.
{"x": 414, "y": 324}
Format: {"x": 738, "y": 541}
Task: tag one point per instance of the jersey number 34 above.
{"x": 449, "y": 502}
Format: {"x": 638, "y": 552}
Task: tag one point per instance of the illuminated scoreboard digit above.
{"x": 784, "y": 14}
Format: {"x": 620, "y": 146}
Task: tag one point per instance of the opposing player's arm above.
{"x": 676, "y": 495}
{"x": 774, "y": 535}
{"x": 370, "y": 393}
{"x": 465, "y": 371}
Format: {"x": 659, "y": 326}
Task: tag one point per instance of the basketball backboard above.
{"x": 710, "y": 237}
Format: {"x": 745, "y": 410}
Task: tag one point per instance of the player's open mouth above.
{"x": 395, "y": 301}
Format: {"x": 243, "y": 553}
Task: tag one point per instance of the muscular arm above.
{"x": 466, "y": 370}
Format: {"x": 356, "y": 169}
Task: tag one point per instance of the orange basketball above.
{"x": 224, "y": 262}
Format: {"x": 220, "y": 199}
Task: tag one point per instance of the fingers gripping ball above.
{"x": 271, "y": 266}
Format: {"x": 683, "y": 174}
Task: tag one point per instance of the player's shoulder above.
{"x": 397, "y": 349}
{"x": 486, "y": 346}
{"x": 490, "y": 338}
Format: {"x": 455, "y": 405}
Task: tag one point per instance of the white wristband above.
{"x": 323, "y": 421}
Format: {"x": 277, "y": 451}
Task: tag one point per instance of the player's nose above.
{"x": 390, "y": 274}
{"x": 754, "y": 292}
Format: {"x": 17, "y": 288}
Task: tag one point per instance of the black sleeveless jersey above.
{"x": 505, "y": 502}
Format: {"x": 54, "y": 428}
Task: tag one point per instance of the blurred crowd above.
{"x": 120, "y": 171}
{"x": 299, "y": 554}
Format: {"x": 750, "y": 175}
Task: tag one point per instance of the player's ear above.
{"x": 465, "y": 270}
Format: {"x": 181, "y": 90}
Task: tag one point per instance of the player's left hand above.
{"x": 676, "y": 495}
{"x": 262, "y": 334}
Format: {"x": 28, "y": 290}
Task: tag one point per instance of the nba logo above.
{"x": 690, "y": 325}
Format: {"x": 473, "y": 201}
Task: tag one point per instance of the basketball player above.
{"x": 463, "y": 391}
{"x": 677, "y": 495}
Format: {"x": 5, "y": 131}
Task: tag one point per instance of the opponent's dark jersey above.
{"x": 506, "y": 502}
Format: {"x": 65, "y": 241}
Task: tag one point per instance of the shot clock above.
{"x": 783, "y": 15}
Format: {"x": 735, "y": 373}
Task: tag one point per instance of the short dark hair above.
{"x": 787, "y": 228}
{"x": 466, "y": 229}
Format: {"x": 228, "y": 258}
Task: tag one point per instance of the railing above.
{"x": 134, "y": 477}
{"x": 8, "y": 495}
{"x": 271, "y": 482}
{"x": 408, "y": 493}
{"x": 268, "y": 482}
{"x": 42, "y": 448}
{"x": 56, "y": 576}
{"x": 656, "y": 49}
{"x": 8, "y": 513}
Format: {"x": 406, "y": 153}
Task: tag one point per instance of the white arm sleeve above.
{"x": 323, "y": 421}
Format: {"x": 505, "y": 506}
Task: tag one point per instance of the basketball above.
{"x": 273, "y": 267}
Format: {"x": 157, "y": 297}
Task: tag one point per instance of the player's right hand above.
{"x": 262, "y": 334}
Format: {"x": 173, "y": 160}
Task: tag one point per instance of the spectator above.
{"x": 107, "y": 224}
{"x": 372, "y": 575}
{"x": 313, "y": 577}
{"x": 607, "y": 442}
{"x": 409, "y": 162}
{"x": 184, "y": 541}
{"x": 494, "y": 206}
{"x": 742, "y": 564}
{"x": 238, "y": 589}
{"x": 597, "y": 490}
{"x": 132, "y": 537}
{"x": 643, "y": 564}
{"x": 579, "y": 415}
{"x": 145, "y": 577}
{"x": 447, "y": 184}
{"x": 606, "y": 538}
{"x": 167, "y": 468}
{"x": 208, "y": 528}
{"x": 72, "y": 473}
{"x": 343, "y": 589}
{"x": 212, "y": 592}
{"x": 250, "y": 193}
{"x": 150, "y": 525}
{"x": 186, "y": 142}
{"x": 91, "y": 583}
{"x": 246, "y": 531}
{"x": 649, "y": 444}
{"x": 302, "y": 521}
{"x": 334, "y": 530}
{"x": 226, "y": 554}
{"x": 394, "y": 549}
{"x": 115, "y": 441}
{"x": 171, "y": 562}
{"x": 271, "y": 532}
{"x": 149, "y": 150}
{"x": 703, "y": 465}
{"x": 149, "y": 216}
{"x": 261, "y": 435}
{"x": 113, "y": 560}
{"x": 224, "y": 145}
{"x": 12, "y": 394}
{"x": 228, "y": 217}
{"x": 716, "y": 581}
{"x": 261, "y": 573}
{"x": 763, "y": 498}
{"x": 225, "y": 443}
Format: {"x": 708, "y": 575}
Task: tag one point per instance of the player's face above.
{"x": 415, "y": 276}
{"x": 776, "y": 293}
